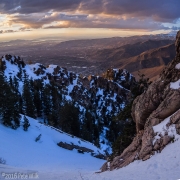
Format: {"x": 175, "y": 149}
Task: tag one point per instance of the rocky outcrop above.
{"x": 159, "y": 102}
{"x": 80, "y": 149}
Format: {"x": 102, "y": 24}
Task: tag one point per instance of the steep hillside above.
{"x": 129, "y": 50}
{"x": 110, "y": 42}
{"x": 140, "y": 56}
{"x": 150, "y": 62}
{"x": 156, "y": 113}
{"x": 21, "y": 149}
{"x": 82, "y": 106}
{"x": 46, "y": 161}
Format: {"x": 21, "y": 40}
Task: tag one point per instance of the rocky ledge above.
{"x": 159, "y": 105}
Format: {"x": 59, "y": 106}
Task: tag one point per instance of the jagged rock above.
{"x": 146, "y": 157}
{"x": 65, "y": 146}
{"x": 147, "y": 140}
{"x": 168, "y": 106}
{"x": 170, "y": 73}
{"x": 84, "y": 149}
{"x": 166, "y": 140}
{"x": 72, "y": 146}
{"x": 80, "y": 149}
{"x": 177, "y": 126}
{"x": 157, "y": 145}
{"x": 155, "y": 121}
{"x": 99, "y": 156}
{"x": 177, "y": 43}
{"x": 175, "y": 118}
{"x": 157, "y": 103}
{"x": 104, "y": 167}
{"x": 146, "y": 103}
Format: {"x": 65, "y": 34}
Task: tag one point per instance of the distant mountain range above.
{"x": 146, "y": 53}
{"x": 147, "y": 56}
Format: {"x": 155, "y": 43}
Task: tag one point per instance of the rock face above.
{"x": 159, "y": 102}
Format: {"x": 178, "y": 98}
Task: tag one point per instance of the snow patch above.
{"x": 177, "y": 66}
{"x": 175, "y": 85}
{"x": 20, "y": 150}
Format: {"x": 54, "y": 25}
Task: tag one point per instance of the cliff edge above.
{"x": 156, "y": 113}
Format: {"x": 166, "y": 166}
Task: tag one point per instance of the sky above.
{"x": 30, "y": 19}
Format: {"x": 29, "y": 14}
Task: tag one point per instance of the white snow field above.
{"x": 50, "y": 162}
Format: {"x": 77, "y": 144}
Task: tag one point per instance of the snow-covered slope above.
{"x": 20, "y": 149}
{"x": 51, "y": 162}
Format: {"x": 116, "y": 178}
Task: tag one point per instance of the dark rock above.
{"x": 175, "y": 118}
{"x": 177, "y": 126}
{"x": 166, "y": 140}
{"x": 65, "y": 146}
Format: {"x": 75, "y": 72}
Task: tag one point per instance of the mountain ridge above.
{"x": 156, "y": 114}
{"x": 96, "y": 99}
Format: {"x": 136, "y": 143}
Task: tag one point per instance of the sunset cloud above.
{"x": 110, "y": 14}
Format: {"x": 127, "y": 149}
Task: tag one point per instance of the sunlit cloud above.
{"x": 18, "y": 15}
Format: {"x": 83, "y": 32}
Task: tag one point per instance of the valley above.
{"x": 73, "y": 123}
{"x": 95, "y": 56}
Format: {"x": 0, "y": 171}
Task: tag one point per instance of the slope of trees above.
{"x": 9, "y": 106}
{"x": 36, "y": 99}
{"x": 45, "y": 101}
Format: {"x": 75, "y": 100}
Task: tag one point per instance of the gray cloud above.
{"x": 36, "y": 6}
{"x": 38, "y": 20}
{"x": 61, "y": 13}
{"x": 13, "y": 31}
{"x": 111, "y": 23}
{"x": 7, "y": 31}
{"x": 59, "y": 20}
{"x": 159, "y": 10}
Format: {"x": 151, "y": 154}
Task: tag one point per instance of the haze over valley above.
{"x": 145, "y": 53}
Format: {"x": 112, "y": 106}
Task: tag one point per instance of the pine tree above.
{"x": 27, "y": 97}
{"x": 55, "y": 105}
{"x": 87, "y": 127}
{"x": 9, "y": 104}
{"x": 38, "y": 97}
{"x": 15, "y": 84}
{"x": 46, "y": 102}
{"x": 69, "y": 119}
{"x": 26, "y": 123}
{"x": 2, "y": 86}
